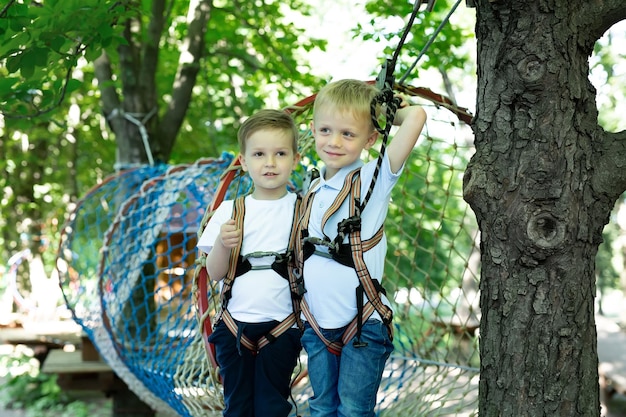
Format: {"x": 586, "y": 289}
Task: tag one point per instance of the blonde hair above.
{"x": 267, "y": 119}
{"x": 347, "y": 95}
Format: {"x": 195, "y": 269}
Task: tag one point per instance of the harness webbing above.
{"x": 235, "y": 261}
{"x": 367, "y": 285}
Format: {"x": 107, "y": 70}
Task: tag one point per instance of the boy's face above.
{"x": 269, "y": 159}
{"x": 340, "y": 137}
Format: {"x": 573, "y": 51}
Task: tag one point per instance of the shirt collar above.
{"x": 337, "y": 180}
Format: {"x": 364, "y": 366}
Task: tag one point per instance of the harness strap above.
{"x": 239, "y": 208}
{"x": 336, "y": 346}
{"x": 338, "y": 250}
{"x": 296, "y": 281}
{"x": 263, "y": 341}
{"x": 370, "y": 288}
{"x": 341, "y": 253}
{"x": 239, "y": 265}
{"x": 280, "y": 264}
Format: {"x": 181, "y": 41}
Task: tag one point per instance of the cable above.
{"x": 430, "y": 41}
{"x": 407, "y": 29}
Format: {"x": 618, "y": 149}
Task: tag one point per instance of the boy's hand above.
{"x": 403, "y": 101}
{"x": 230, "y": 236}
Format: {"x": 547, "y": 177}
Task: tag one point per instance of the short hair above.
{"x": 350, "y": 95}
{"x": 267, "y": 119}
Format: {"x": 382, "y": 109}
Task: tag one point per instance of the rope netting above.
{"x": 129, "y": 274}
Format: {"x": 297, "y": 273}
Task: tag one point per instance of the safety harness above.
{"x": 239, "y": 265}
{"x": 348, "y": 254}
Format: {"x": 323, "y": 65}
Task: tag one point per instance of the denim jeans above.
{"x": 256, "y": 386}
{"x": 346, "y": 385}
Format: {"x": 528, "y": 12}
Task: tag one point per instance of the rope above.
{"x": 142, "y": 128}
{"x": 407, "y": 29}
{"x": 386, "y": 81}
{"x": 392, "y": 104}
{"x": 430, "y": 41}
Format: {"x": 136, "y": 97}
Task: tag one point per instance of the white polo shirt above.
{"x": 331, "y": 287}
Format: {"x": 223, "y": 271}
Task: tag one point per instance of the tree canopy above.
{"x": 103, "y": 85}
{"x": 91, "y": 87}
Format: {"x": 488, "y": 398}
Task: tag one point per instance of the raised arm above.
{"x": 411, "y": 120}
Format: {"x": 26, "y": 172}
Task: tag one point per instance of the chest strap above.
{"x": 280, "y": 264}
{"x": 283, "y": 264}
{"x": 348, "y": 254}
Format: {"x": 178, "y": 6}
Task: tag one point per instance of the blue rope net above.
{"x": 79, "y": 252}
{"x": 129, "y": 265}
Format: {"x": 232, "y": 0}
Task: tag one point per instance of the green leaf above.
{"x": 73, "y": 85}
{"x": 7, "y": 83}
{"x": 14, "y": 62}
{"x": 28, "y": 63}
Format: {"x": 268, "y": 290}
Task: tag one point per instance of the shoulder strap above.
{"x": 289, "y": 321}
{"x": 239, "y": 209}
{"x": 296, "y": 282}
{"x": 346, "y": 190}
{"x": 371, "y": 287}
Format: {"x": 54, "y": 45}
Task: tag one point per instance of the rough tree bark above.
{"x": 542, "y": 184}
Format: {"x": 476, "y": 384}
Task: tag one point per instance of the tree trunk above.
{"x": 539, "y": 186}
{"x": 144, "y": 133}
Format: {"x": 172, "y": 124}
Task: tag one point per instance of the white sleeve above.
{"x": 212, "y": 230}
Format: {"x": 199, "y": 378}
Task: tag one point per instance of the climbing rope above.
{"x": 385, "y": 83}
{"x": 430, "y": 42}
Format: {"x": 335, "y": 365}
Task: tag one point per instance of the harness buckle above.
{"x": 299, "y": 284}
{"x": 260, "y": 254}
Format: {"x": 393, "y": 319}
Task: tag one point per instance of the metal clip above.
{"x": 385, "y": 78}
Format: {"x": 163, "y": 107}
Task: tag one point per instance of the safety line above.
{"x": 430, "y": 41}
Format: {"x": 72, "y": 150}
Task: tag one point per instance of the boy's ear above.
{"x": 242, "y": 161}
{"x": 296, "y": 160}
{"x": 371, "y": 140}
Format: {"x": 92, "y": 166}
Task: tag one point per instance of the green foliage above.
{"x": 608, "y": 257}
{"x": 449, "y": 49}
{"x": 607, "y": 76}
{"x": 42, "y": 45}
{"x": 255, "y": 58}
{"x": 39, "y": 393}
{"x": 46, "y": 164}
{"x": 54, "y": 140}
{"x": 426, "y": 222}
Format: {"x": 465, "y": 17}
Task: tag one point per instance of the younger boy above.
{"x": 345, "y": 374}
{"x": 256, "y": 375}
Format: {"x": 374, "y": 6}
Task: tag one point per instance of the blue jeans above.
{"x": 256, "y": 386}
{"x": 346, "y": 385}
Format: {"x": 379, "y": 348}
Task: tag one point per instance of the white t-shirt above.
{"x": 258, "y": 295}
{"x": 331, "y": 286}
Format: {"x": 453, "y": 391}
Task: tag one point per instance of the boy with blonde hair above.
{"x": 341, "y": 248}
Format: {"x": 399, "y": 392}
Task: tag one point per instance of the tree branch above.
{"x": 109, "y": 98}
{"x": 607, "y": 13}
{"x": 188, "y": 67}
{"x": 5, "y": 9}
{"x": 151, "y": 50}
